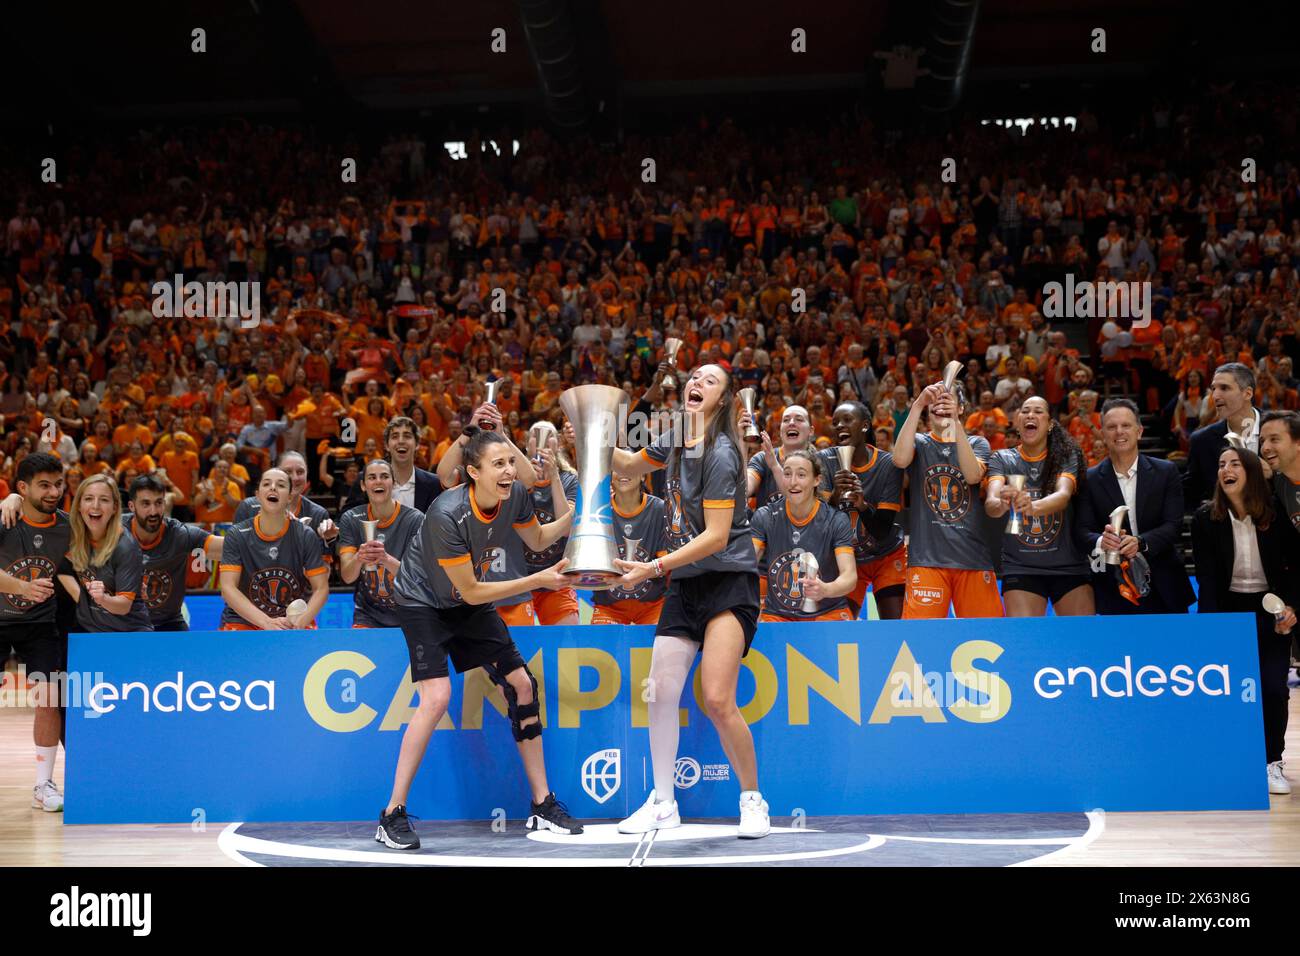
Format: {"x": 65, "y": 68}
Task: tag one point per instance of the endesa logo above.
{"x": 173, "y": 697}
{"x": 1120, "y": 680}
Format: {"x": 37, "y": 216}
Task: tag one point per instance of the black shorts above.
{"x": 472, "y": 635}
{"x": 176, "y": 623}
{"x": 1050, "y": 586}
{"x": 40, "y": 646}
{"x": 690, "y": 603}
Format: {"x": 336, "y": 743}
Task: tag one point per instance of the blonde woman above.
{"x": 104, "y": 566}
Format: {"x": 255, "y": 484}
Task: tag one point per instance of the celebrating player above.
{"x": 870, "y": 491}
{"x": 764, "y": 477}
{"x": 270, "y": 561}
{"x": 445, "y": 610}
{"x": 29, "y": 555}
{"x": 372, "y": 564}
{"x": 792, "y": 530}
{"x": 104, "y": 565}
{"x": 639, "y": 531}
{"x": 300, "y": 507}
{"x": 1041, "y": 563}
{"x": 948, "y": 559}
{"x": 712, "y": 599}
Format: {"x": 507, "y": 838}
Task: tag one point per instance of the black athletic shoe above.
{"x": 552, "y": 815}
{"x": 395, "y": 831}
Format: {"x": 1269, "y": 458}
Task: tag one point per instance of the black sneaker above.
{"x": 395, "y": 831}
{"x": 552, "y": 815}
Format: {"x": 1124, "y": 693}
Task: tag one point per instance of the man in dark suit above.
{"x": 412, "y": 487}
{"x": 1151, "y": 489}
{"x": 1233, "y": 392}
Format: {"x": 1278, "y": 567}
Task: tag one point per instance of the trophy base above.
{"x": 594, "y": 579}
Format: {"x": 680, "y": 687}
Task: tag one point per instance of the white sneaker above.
{"x": 754, "y": 822}
{"x": 1276, "y": 782}
{"x": 46, "y": 796}
{"x": 652, "y": 816}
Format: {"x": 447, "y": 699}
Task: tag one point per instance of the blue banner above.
{"x": 952, "y": 716}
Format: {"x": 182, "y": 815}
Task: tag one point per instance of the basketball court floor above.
{"x": 30, "y": 837}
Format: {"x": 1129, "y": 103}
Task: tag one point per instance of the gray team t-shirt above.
{"x": 882, "y": 489}
{"x": 122, "y": 574}
{"x": 455, "y": 531}
{"x": 645, "y": 526}
{"x": 946, "y": 517}
{"x": 544, "y": 508}
{"x": 29, "y": 551}
{"x": 711, "y": 479}
{"x": 824, "y": 534}
{"x": 273, "y": 572}
{"x": 1045, "y": 544}
{"x": 166, "y": 563}
{"x": 373, "y": 598}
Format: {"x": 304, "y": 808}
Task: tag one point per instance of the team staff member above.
{"x": 712, "y": 599}
{"x": 372, "y": 564}
{"x": 797, "y": 524}
{"x": 1042, "y": 563}
{"x": 168, "y": 549}
{"x": 412, "y": 487}
{"x": 300, "y": 507}
{"x": 270, "y": 561}
{"x": 561, "y": 605}
{"x": 948, "y": 559}
{"x": 30, "y": 553}
{"x": 445, "y": 610}
{"x": 870, "y": 492}
{"x": 1240, "y": 545}
{"x": 104, "y": 565}
{"x": 1233, "y": 391}
{"x": 638, "y": 518}
{"x": 1279, "y": 446}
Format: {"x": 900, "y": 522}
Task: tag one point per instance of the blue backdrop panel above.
{"x": 1150, "y": 713}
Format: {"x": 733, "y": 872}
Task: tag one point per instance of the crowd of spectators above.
{"x": 820, "y": 261}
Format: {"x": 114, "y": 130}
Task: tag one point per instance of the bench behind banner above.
{"x": 974, "y": 716}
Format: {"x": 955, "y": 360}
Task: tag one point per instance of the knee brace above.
{"x": 516, "y": 711}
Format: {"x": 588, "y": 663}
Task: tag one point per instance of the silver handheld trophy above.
{"x": 1275, "y": 605}
{"x": 492, "y": 387}
{"x": 368, "y": 534}
{"x": 749, "y": 399}
{"x": 950, "y": 373}
{"x": 808, "y": 568}
{"x": 1017, "y": 483}
{"x": 1116, "y": 521}
{"x": 845, "y": 454}
{"x": 670, "y": 352}
{"x": 593, "y": 410}
{"x": 630, "y": 546}
{"x": 539, "y": 436}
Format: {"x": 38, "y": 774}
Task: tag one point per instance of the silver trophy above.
{"x": 1017, "y": 484}
{"x": 630, "y": 546}
{"x": 845, "y": 454}
{"x": 368, "y": 534}
{"x": 540, "y": 436}
{"x": 808, "y": 568}
{"x": 950, "y": 373}
{"x": 749, "y": 399}
{"x": 1275, "y": 605}
{"x": 670, "y": 352}
{"x": 1116, "y": 521}
{"x": 593, "y": 411}
{"x": 492, "y": 387}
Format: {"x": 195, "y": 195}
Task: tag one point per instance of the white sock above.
{"x": 670, "y": 664}
{"x": 45, "y": 763}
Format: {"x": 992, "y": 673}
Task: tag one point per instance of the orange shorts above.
{"x": 884, "y": 572}
{"x": 518, "y": 615}
{"x": 628, "y": 612}
{"x": 554, "y": 606}
{"x": 931, "y": 590}
{"x": 843, "y": 614}
{"x": 235, "y": 626}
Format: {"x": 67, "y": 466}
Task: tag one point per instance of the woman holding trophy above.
{"x": 711, "y": 604}
{"x": 639, "y": 530}
{"x": 1035, "y": 483}
{"x": 559, "y": 606}
{"x": 809, "y": 546}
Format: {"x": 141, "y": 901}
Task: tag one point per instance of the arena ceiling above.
{"x": 285, "y": 55}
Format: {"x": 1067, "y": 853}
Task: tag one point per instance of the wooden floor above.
{"x": 30, "y": 837}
